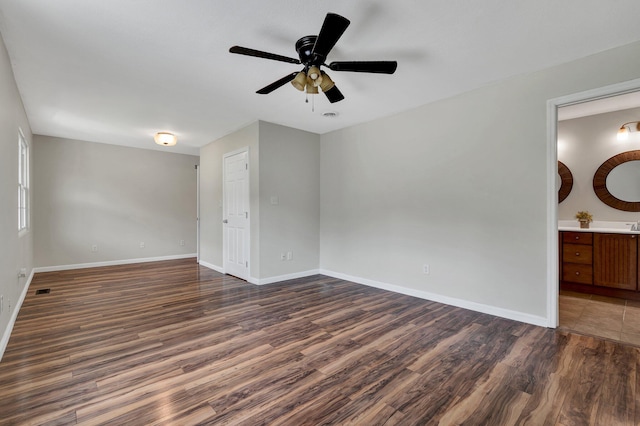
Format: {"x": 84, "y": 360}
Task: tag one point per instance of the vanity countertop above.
{"x": 598, "y": 226}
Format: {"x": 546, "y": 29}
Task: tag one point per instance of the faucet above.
{"x": 636, "y": 226}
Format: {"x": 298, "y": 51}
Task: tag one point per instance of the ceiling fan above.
{"x": 312, "y": 51}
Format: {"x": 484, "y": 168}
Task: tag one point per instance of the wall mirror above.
{"x": 617, "y": 181}
{"x": 623, "y": 182}
{"x": 564, "y": 181}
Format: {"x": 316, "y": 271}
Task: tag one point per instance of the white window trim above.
{"x": 23, "y": 183}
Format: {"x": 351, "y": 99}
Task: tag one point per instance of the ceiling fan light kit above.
{"x": 314, "y": 74}
{"x": 312, "y": 52}
{"x": 299, "y": 81}
{"x": 312, "y": 90}
{"x": 326, "y": 83}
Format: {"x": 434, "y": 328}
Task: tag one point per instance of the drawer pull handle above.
{"x": 577, "y": 238}
{"x": 577, "y": 273}
{"x": 577, "y": 254}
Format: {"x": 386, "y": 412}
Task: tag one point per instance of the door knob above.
{"x": 225, "y": 221}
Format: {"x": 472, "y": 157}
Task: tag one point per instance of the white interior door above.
{"x": 235, "y": 214}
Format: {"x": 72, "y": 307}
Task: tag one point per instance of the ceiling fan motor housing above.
{"x": 304, "y": 47}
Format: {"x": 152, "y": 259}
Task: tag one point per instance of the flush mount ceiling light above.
{"x": 623, "y": 133}
{"x": 165, "y": 139}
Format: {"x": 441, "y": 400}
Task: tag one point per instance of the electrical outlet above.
{"x": 426, "y": 269}
{"x": 141, "y": 244}
{"x": 289, "y": 255}
{"x": 181, "y": 242}
{"x": 283, "y": 256}
{"x": 94, "y": 248}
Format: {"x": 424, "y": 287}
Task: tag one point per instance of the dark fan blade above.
{"x": 276, "y": 84}
{"x": 383, "y": 67}
{"x": 260, "y": 54}
{"x": 334, "y": 95}
{"x": 332, "y": 29}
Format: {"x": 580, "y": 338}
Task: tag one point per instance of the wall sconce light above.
{"x": 165, "y": 139}
{"x": 623, "y": 133}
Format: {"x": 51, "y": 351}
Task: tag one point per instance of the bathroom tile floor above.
{"x": 608, "y": 317}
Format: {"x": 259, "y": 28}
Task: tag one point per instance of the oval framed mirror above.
{"x": 600, "y": 182}
{"x": 566, "y": 181}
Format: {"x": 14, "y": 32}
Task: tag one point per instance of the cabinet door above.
{"x": 615, "y": 258}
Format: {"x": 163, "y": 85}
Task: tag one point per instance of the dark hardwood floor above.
{"x": 172, "y": 343}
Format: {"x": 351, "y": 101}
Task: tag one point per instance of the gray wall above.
{"x": 283, "y": 163}
{"x": 111, "y": 196}
{"x": 290, "y": 171}
{"x": 583, "y": 145}
{"x": 211, "y": 196}
{"x": 16, "y": 251}
{"x": 458, "y": 184}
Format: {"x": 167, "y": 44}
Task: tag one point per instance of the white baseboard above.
{"x": 465, "y": 304}
{"x": 263, "y": 281}
{"x": 14, "y": 315}
{"x": 211, "y": 266}
{"x": 279, "y": 278}
{"x": 111, "y": 263}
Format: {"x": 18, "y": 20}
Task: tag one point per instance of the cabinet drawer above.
{"x": 577, "y": 253}
{"x": 576, "y": 273}
{"x": 577, "y": 237}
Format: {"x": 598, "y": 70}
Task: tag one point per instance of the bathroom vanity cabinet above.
{"x": 601, "y": 263}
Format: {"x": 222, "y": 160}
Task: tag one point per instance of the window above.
{"x": 23, "y": 182}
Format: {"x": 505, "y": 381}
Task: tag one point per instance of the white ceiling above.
{"x": 118, "y": 71}
{"x": 600, "y": 106}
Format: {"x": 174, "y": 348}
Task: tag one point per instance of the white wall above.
{"x": 458, "y": 184}
{"x": 289, "y": 171}
{"x": 583, "y": 145}
{"x": 113, "y": 197}
{"x": 16, "y": 251}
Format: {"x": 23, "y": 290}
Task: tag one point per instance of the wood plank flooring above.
{"x": 173, "y": 343}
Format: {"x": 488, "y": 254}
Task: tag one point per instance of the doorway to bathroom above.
{"x": 592, "y": 266}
